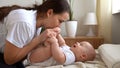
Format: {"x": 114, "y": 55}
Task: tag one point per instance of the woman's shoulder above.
{"x": 19, "y": 10}
{"x": 21, "y": 15}
{"x": 22, "y": 11}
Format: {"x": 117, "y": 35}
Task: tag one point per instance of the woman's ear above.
{"x": 49, "y": 12}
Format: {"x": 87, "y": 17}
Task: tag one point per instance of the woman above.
{"x": 24, "y": 27}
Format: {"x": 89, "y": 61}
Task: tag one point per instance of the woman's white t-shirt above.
{"x": 21, "y": 27}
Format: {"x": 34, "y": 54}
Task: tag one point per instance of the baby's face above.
{"x": 79, "y": 49}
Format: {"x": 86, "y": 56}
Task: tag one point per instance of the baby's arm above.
{"x": 57, "y": 53}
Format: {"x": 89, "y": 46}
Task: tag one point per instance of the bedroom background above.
{"x": 115, "y": 21}
{"x": 81, "y": 7}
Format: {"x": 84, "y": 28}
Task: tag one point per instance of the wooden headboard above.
{"x": 5, "y": 10}
{"x": 7, "y": 5}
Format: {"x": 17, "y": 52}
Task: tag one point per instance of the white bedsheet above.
{"x": 97, "y": 63}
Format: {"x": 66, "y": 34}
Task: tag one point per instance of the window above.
{"x": 115, "y": 6}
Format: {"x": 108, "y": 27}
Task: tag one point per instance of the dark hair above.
{"x": 58, "y": 6}
{"x": 5, "y": 10}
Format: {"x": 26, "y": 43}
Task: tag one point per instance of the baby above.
{"x": 57, "y": 52}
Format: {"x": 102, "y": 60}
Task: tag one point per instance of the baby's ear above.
{"x": 83, "y": 56}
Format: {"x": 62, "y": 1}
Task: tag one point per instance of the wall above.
{"x": 115, "y": 28}
{"x": 23, "y": 3}
{"x": 80, "y": 9}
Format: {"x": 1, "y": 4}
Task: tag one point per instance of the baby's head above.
{"x": 83, "y": 51}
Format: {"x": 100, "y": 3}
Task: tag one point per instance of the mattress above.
{"x": 110, "y": 54}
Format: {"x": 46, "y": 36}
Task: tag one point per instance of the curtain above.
{"x": 104, "y": 16}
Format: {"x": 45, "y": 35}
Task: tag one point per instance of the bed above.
{"x": 107, "y": 56}
{"x": 97, "y": 63}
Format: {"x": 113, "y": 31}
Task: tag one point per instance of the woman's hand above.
{"x": 52, "y": 40}
{"x": 49, "y": 33}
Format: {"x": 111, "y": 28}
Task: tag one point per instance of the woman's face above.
{"x": 55, "y": 20}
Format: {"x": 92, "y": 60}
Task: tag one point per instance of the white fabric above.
{"x": 3, "y": 32}
{"x": 110, "y": 53}
{"x": 49, "y": 62}
{"x": 22, "y": 3}
{"x": 21, "y": 26}
{"x": 70, "y": 58}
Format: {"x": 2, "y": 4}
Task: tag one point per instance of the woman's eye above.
{"x": 61, "y": 21}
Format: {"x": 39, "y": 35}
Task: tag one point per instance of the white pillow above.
{"x": 3, "y": 32}
{"x": 110, "y": 53}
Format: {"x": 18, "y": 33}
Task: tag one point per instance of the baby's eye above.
{"x": 81, "y": 44}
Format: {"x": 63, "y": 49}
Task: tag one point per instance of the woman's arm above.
{"x": 13, "y": 54}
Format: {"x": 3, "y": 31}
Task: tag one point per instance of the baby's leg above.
{"x": 40, "y": 54}
{"x": 61, "y": 40}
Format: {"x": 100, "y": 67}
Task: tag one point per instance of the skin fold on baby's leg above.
{"x": 40, "y": 54}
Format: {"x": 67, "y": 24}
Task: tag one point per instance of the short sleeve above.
{"x": 19, "y": 34}
{"x": 70, "y": 58}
